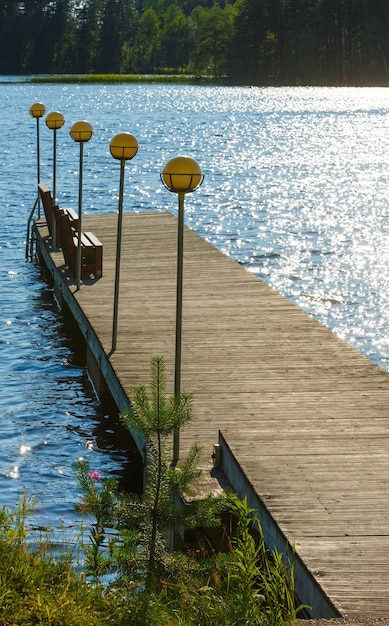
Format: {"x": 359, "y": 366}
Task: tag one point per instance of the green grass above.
{"x": 38, "y": 586}
{"x": 41, "y": 587}
{"x": 114, "y": 78}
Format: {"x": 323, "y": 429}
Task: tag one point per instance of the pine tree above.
{"x": 146, "y": 522}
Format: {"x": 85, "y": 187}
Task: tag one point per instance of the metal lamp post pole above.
{"x": 123, "y": 147}
{"x": 80, "y": 132}
{"x": 118, "y": 255}
{"x": 181, "y": 175}
{"x": 38, "y": 163}
{"x": 37, "y": 110}
{"x": 54, "y": 120}
{"x": 180, "y": 268}
{"x": 54, "y": 183}
{"x": 79, "y": 216}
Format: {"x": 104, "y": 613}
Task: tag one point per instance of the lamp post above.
{"x": 37, "y": 110}
{"x": 54, "y": 121}
{"x": 123, "y": 147}
{"x": 80, "y": 132}
{"x": 181, "y": 175}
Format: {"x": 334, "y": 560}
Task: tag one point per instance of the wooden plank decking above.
{"x": 304, "y": 415}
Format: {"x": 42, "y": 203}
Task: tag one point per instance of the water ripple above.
{"x": 295, "y": 190}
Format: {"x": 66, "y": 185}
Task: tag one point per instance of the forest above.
{"x": 259, "y": 42}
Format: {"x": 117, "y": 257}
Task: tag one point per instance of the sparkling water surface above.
{"x": 295, "y": 189}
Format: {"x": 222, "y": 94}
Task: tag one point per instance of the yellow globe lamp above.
{"x": 81, "y": 131}
{"x": 182, "y": 174}
{"x": 55, "y": 120}
{"x": 37, "y": 109}
{"x": 123, "y": 146}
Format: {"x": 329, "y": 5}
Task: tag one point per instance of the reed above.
{"x": 114, "y": 78}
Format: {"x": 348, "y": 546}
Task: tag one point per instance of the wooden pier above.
{"x": 300, "y": 418}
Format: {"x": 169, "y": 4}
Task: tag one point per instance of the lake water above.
{"x": 295, "y": 189}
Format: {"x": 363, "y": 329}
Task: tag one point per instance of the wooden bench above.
{"x": 91, "y": 248}
{"x": 65, "y": 223}
{"x": 50, "y": 215}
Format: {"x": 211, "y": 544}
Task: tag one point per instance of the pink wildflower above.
{"x": 94, "y": 475}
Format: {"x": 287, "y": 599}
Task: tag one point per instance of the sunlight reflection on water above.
{"x": 295, "y": 189}
{"x": 295, "y": 183}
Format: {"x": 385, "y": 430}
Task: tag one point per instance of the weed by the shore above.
{"x": 151, "y": 584}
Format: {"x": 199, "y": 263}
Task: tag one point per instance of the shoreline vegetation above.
{"x": 124, "y": 569}
{"x": 91, "y": 78}
{"x": 160, "y": 78}
{"x": 47, "y": 582}
{"x": 115, "y": 78}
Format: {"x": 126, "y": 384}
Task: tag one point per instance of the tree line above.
{"x": 295, "y": 42}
